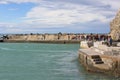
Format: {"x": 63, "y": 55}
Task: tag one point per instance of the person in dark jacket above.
{"x": 110, "y": 41}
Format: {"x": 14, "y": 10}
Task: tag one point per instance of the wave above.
{"x": 47, "y": 51}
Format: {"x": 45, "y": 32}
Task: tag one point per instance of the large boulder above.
{"x": 115, "y": 27}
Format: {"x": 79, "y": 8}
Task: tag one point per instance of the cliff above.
{"x": 115, "y": 27}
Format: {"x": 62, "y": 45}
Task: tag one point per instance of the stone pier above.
{"x": 101, "y": 58}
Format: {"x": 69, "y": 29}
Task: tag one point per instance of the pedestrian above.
{"x": 110, "y": 41}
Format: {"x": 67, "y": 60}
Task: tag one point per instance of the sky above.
{"x": 53, "y": 16}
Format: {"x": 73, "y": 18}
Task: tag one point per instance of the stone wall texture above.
{"x": 115, "y": 27}
{"x": 43, "y": 37}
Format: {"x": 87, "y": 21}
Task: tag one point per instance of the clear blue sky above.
{"x": 53, "y": 16}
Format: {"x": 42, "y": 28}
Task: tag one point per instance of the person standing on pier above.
{"x": 110, "y": 41}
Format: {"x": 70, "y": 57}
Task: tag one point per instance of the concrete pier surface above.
{"x": 100, "y": 58}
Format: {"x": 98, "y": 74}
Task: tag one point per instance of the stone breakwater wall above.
{"x": 40, "y": 37}
{"x": 44, "y": 38}
{"x": 115, "y": 27}
{"x": 57, "y": 38}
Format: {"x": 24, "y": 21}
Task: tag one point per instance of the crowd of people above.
{"x": 96, "y": 37}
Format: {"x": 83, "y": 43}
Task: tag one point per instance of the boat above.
{"x": 99, "y": 57}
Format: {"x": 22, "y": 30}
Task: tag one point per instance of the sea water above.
{"x": 36, "y": 61}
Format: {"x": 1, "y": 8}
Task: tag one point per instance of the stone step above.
{"x": 95, "y": 56}
{"x": 97, "y": 59}
{"x": 99, "y": 62}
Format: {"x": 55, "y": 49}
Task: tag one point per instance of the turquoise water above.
{"x": 35, "y": 61}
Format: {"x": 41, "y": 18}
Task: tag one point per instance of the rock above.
{"x": 86, "y": 44}
{"x": 115, "y": 27}
{"x": 118, "y": 44}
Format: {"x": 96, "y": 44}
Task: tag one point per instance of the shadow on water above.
{"x": 86, "y": 75}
